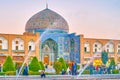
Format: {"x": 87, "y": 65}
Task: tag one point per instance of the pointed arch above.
{"x": 3, "y": 43}
{"x": 110, "y": 47}
{"x": 31, "y": 45}
{"x": 97, "y": 47}
{"x": 86, "y": 47}
{"x": 49, "y": 48}
{"x": 17, "y": 44}
{"x": 118, "y": 48}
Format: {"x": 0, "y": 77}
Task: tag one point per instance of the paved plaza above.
{"x": 65, "y": 77}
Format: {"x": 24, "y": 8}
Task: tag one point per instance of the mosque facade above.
{"x": 47, "y": 37}
{"x": 55, "y": 41}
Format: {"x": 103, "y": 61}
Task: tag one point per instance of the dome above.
{"x": 46, "y": 19}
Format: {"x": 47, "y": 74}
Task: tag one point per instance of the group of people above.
{"x": 72, "y": 70}
{"x": 100, "y": 69}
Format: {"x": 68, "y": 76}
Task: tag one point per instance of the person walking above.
{"x": 25, "y": 72}
{"x": 42, "y": 74}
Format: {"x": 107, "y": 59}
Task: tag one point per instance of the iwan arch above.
{"x": 55, "y": 41}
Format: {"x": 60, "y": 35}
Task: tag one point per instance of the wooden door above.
{"x": 46, "y": 59}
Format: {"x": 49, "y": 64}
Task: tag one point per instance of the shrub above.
{"x": 8, "y": 65}
{"x": 2, "y": 73}
{"x": 112, "y": 63}
{"x": 10, "y": 73}
{"x": 42, "y": 66}
{"x": 57, "y": 66}
{"x": 63, "y": 63}
{"x": 34, "y": 65}
{"x": 33, "y": 73}
{"x": 78, "y": 67}
{"x": 86, "y": 72}
{"x": 115, "y": 71}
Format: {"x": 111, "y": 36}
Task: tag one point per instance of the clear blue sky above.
{"x": 93, "y": 18}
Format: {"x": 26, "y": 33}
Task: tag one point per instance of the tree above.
{"x": 34, "y": 65}
{"x": 104, "y": 57}
{"x": 112, "y": 63}
{"x": 63, "y": 63}
{"x": 57, "y": 66}
{"x": 8, "y": 65}
{"x": 42, "y": 66}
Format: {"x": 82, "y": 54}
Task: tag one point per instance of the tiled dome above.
{"x": 46, "y": 19}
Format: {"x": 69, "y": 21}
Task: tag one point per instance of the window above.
{"x": 0, "y": 46}
{"x": 85, "y": 49}
{"x": 95, "y": 45}
{"x": 95, "y": 50}
{"x": 30, "y": 47}
{"x": 107, "y": 50}
{"x": 16, "y": 42}
{"x": 0, "y": 41}
{"x": 16, "y": 48}
{"x": 118, "y": 50}
{"x": 107, "y": 46}
{"x": 118, "y": 46}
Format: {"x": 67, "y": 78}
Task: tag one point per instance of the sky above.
{"x": 93, "y": 18}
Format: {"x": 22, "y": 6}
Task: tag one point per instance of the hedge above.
{"x": 33, "y": 73}
{"x": 115, "y": 71}
{"x": 50, "y": 73}
{"x": 2, "y": 73}
{"x": 10, "y": 73}
{"x": 86, "y": 72}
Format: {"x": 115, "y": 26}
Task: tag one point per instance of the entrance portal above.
{"x": 49, "y": 51}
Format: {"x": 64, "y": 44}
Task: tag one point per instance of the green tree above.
{"x": 112, "y": 63}
{"x": 8, "y": 65}
{"x": 63, "y": 63}
{"x": 34, "y": 65}
{"x": 41, "y": 65}
{"x": 104, "y": 57}
{"x": 57, "y": 66}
